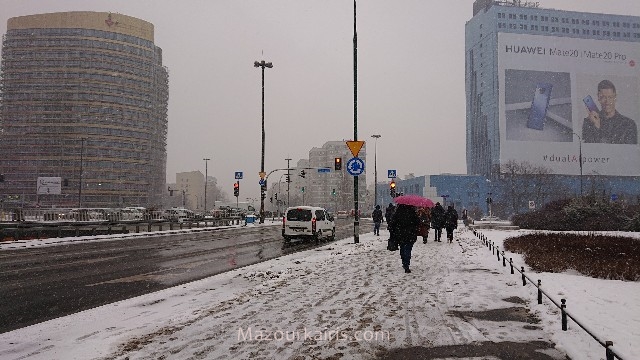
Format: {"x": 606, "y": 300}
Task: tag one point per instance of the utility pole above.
{"x": 288, "y": 181}
{"x": 356, "y": 216}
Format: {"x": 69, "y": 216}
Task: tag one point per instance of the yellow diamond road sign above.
{"x": 355, "y": 147}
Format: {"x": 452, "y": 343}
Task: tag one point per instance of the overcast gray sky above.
{"x": 410, "y": 78}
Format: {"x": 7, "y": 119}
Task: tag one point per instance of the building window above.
{"x": 534, "y": 17}
{"x": 605, "y": 23}
{"x": 616, "y": 24}
{"x": 555, "y": 29}
{"x": 523, "y": 27}
{"x": 596, "y": 23}
{"x": 534, "y": 27}
{"x": 626, "y": 25}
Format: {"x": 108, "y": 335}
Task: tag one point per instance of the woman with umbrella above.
{"x": 404, "y": 225}
{"x": 404, "y": 229}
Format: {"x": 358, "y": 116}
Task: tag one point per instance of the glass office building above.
{"x": 83, "y": 97}
{"x": 530, "y": 73}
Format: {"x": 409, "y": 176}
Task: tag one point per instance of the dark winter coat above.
{"x": 377, "y": 215}
{"x": 451, "y": 218}
{"x": 388, "y": 214}
{"x": 437, "y": 216}
{"x": 404, "y": 224}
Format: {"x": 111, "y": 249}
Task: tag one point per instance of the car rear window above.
{"x": 299, "y": 215}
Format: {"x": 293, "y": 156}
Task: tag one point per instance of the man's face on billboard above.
{"x": 607, "y": 99}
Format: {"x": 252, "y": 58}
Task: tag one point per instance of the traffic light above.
{"x": 303, "y": 174}
{"x": 236, "y": 189}
{"x": 303, "y": 189}
{"x": 276, "y": 195}
{"x": 392, "y": 188}
{"x": 288, "y": 178}
{"x": 333, "y": 192}
{"x": 337, "y": 163}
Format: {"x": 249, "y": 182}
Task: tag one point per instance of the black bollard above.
{"x": 492, "y": 247}
{"x": 539, "y": 292}
{"x": 564, "y": 314}
{"x": 524, "y": 279}
{"x": 511, "y": 264}
{"x": 504, "y": 260}
{"x": 608, "y": 352}
{"x": 498, "y": 252}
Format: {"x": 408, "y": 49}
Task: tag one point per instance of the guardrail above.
{"x": 26, "y": 230}
{"x": 610, "y": 352}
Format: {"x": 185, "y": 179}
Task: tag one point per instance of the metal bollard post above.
{"x": 524, "y": 279}
{"x": 504, "y": 260}
{"x": 608, "y": 352}
{"x": 564, "y": 314}
{"x": 493, "y": 247}
{"x": 498, "y": 252}
{"x": 539, "y": 292}
{"x": 511, "y": 264}
{"x": 109, "y": 230}
{"x": 171, "y": 225}
{"x": 137, "y": 228}
{"x": 149, "y": 227}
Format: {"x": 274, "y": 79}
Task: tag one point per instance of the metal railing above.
{"x": 610, "y": 352}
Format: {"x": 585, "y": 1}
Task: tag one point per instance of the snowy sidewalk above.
{"x": 342, "y": 300}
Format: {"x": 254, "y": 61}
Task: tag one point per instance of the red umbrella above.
{"x": 414, "y": 200}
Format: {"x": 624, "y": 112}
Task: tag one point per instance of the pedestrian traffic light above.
{"x": 337, "y": 164}
{"x": 303, "y": 189}
{"x": 236, "y": 189}
{"x": 333, "y": 192}
{"x": 392, "y": 188}
{"x": 303, "y": 174}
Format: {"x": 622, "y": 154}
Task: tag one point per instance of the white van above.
{"x": 307, "y": 222}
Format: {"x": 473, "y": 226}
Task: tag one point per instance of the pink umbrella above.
{"x": 414, "y": 200}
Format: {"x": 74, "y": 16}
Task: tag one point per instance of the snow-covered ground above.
{"x": 345, "y": 300}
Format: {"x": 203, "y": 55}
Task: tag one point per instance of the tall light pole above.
{"x": 80, "y": 183}
{"x": 580, "y": 155}
{"x": 262, "y": 64}
{"x": 375, "y": 169}
{"x": 206, "y": 175}
{"x": 356, "y": 215}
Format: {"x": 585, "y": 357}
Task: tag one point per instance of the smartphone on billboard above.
{"x": 591, "y": 105}
{"x": 539, "y": 106}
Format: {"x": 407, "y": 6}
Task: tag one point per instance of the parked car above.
{"x": 342, "y": 214}
{"x": 308, "y": 222}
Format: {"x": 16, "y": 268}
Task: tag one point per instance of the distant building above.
{"x": 528, "y": 70}
{"x": 330, "y": 189}
{"x": 190, "y": 188}
{"x": 84, "y": 98}
{"x": 461, "y": 191}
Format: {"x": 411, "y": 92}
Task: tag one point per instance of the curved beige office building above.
{"x": 83, "y": 97}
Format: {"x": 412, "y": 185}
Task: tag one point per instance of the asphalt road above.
{"x": 44, "y": 283}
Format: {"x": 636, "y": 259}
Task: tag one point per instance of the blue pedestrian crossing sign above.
{"x": 391, "y": 174}
{"x": 355, "y": 166}
{"x": 238, "y": 175}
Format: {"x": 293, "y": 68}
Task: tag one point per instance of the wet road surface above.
{"x": 44, "y": 283}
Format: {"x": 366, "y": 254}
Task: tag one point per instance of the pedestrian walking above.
{"x": 424, "y": 214}
{"x": 437, "y": 221}
{"x": 404, "y": 229}
{"x": 450, "y": 222}
{"x": 377, "y": 220}
{"x": 388, "y": 213}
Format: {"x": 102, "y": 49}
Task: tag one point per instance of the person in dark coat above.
{"x": 437, "y": 220}
{"x": 377, "y": 220}
{"x": 450, "y": 222}
{"x": 388, "y": 213}
{"x": 404, "y": 230}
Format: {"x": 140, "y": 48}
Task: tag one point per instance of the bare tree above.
{"x": 522, "y": 181}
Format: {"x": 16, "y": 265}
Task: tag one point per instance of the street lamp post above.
{"x": 375, "y": 170}
{"x": 580, "y": 155}
{"x": 262, "y": 64}
{"x": 206, "y": 175}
